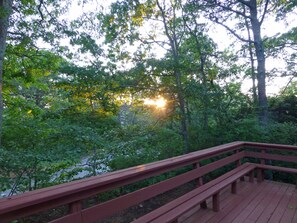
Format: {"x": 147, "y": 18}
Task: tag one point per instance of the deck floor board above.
{"x": 266, "y": 202}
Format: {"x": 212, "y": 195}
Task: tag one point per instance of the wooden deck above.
{"x": 254, "y": 202}
{"x": 268, "y": 201}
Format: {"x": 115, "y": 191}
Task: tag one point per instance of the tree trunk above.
{"x": 180, "y": 95}
{"x": 253, "y": 74}
{"x": 6, "y": 7}
{"x": 261, "y": 74}
{"x": 183, "y": 122}
{"x": 205, "y": 92}
{"x": 174, "y": 45}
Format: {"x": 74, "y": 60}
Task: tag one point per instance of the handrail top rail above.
{"x": 270, "y": 146}
{"x": 66, "y": 189}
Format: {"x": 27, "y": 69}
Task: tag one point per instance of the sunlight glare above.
{"x": 158, "y": 103}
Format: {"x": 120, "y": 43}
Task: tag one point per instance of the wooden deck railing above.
{"x": 72, "y": 194}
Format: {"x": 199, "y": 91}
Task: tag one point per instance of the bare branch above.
{"x": 233, "y": 32}
{"x": 159, "y": 43}
{"x": 165, "y": 24}
{"x": 15, "y": 33}
{"x": 264, "y": 13}
{"x": 235, "y": 11}
{"x": 289, "y": 82}
{"x": 40, "y": 12}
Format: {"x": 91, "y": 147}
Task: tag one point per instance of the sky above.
{"x": 271, "y": 28}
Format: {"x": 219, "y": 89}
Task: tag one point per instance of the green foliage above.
{"x": 284, "y": 108}
{"x": 132, "y": 145}
{"x": 282, "y": 133}
{"x": 58, "y": 114}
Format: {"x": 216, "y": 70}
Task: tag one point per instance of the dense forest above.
{"x": 88, "y": 87}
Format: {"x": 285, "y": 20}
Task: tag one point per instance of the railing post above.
{"x": 238, "y": 163}
{"x": 262, "y": 160}
{"x": 216, "y": 202}
{"x": 260, "y": 172}
{"x": 251, "y": 176}
{"x": 74, "y": 208}
{"x": 203, "y": 204}
{"x": 234, "y": 187}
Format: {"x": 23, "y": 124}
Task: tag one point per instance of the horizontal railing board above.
{"x": 71, "y": 218}
{"x": 268, "y": 146}
{"x": 129, "y": 175}
{"x": 277, "y": 168}
{"x": 268, "y": 156}
{"x": 46, "y": 198}
{"x": 168, "y": 208}
{"x": 183, "y": 208}
{"x": 106, "y": 209}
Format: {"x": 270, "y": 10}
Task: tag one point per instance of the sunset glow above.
{"x": 158, "y": 103}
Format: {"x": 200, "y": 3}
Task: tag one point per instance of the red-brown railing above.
{"x": 72, "y": 194}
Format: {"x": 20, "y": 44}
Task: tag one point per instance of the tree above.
{"x": 284, "y": 47}
{"x": 202, "y": 50}
{"x": 174, "y": 34}
{"x": 5, "y": 11}
{"x": 253, "y": 13}
{"x": 131, "y": 15}
{"x": 27, "y": 22}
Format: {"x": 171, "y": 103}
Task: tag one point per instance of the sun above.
{"x": 159, "y": 103}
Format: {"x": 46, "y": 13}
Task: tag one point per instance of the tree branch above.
{"x": 165, "y": 24}
{"x": 232, "y": 31}
{"x": 235, "y": 11}
{"x": 289, "y": 82}
{"x": 264, "y": 13}
{"x": 40, "y": 12}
